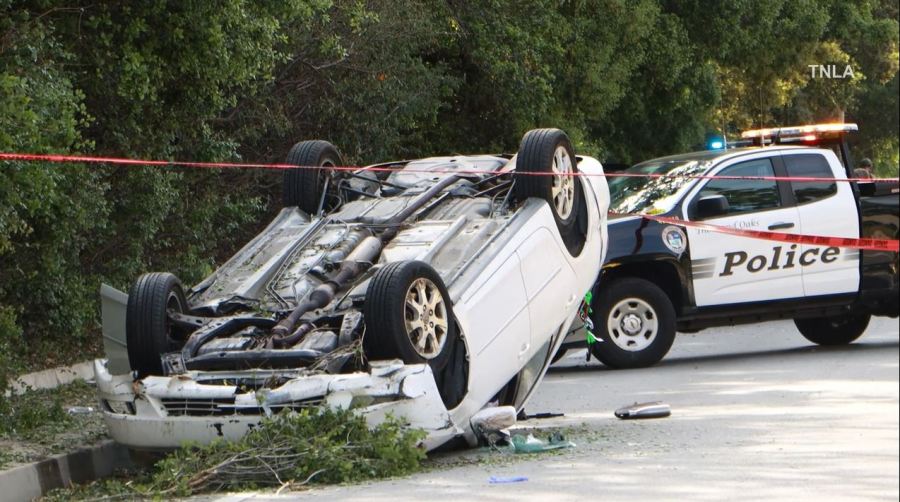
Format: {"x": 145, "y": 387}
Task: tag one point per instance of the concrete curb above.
{"x": 27, "y": 482}
{"x": 54, "y": 377}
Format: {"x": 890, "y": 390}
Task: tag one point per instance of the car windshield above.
{"x": 656, "y": 195}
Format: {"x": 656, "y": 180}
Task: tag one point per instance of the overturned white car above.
{"x": 427, "y": 289}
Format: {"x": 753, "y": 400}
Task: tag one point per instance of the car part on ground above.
{"x": 655, "y": 409}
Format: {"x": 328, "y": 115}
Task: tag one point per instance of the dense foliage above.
{"x": 241, "y": 79}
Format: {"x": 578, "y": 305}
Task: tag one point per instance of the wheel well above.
{"x": 662, "y": 274}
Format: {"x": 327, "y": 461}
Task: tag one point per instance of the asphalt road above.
{"x": 757, "y": 414}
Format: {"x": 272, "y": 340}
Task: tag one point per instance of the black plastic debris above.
{"x": 540, "y": 416}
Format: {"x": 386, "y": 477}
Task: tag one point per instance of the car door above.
{"x": 496, "y": 310}
{"x": 728, "y": 269}
{"x": 825, "y": 208}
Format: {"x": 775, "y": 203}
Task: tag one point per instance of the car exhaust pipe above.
{"x": 358, "y": 260}
{"x": 362, "y": 256}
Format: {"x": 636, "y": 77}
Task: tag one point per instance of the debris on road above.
{"x": 80, "y": 410}
{"x": 542, "y": 416}
{"x": 501, "y": 480}
{"x": 655, "y": 409}
{"x": 531, "y": 444}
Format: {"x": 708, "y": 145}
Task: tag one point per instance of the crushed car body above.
{"x": 426, "y": 289}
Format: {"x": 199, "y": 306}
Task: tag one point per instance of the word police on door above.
{"x": 788, "y": 259}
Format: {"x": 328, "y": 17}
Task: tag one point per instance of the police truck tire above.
{"x": 634, "y": 321}
{"x": 304, "y": 187}
{"x": 835, "y": 330}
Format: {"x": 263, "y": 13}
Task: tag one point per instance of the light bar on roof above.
{"x": 798, "y": 130}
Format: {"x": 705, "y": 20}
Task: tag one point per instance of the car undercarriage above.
{"x": 396, "y": 289}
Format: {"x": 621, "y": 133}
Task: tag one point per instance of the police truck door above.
{"x": 728, "y": 269}
{"x": 825, "y": 208}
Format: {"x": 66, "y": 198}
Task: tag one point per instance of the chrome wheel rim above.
{"x": 563, "y": 189}
{"x": 632, "y": 324}
{"x": 426, "y": 318}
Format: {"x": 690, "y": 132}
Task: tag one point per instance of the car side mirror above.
{"x": 712, "y": 206}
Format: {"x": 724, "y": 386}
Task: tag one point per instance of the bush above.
{"x": 313, "y": 446}
{"x": 10, "y": 338}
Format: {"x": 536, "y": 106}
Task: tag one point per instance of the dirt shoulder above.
{"x": 46, "y": 422}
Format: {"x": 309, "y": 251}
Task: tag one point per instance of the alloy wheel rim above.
{"x": 425, "y": 318}
{"x": 563, "y": 188}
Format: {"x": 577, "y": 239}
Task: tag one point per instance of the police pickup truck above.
{"x": 660, "y": 278}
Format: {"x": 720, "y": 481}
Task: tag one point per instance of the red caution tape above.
{"x": 28, "y": 157}
{"x": 812, "y": 240}
{"x": 815, "y": 240}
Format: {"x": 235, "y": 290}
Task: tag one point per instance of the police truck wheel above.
{"x": 635, "y": 322}
{"x": 836, "y": 330}
{"x": 148, "y": 330}
{"x": 305, "y": 188}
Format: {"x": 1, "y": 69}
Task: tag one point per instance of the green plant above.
{"x": 10, "y": 340}
{"x": 290, "y": 450}
{"x": 38, "y": 415}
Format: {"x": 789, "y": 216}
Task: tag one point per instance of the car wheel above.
{"x": 550, "y": 151}
{"x": 305, "y": 188}
{"x": 835, "y": 330}
{"x": 148, "y": 330}
{"x": 408, "y": 315}
{"x": 635, "y": 322}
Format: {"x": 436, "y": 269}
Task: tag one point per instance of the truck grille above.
{"x": 198, "y": 407}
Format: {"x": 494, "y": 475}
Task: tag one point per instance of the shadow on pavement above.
{"x": 797, "y": 352}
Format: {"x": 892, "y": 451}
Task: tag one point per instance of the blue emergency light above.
{"x": 715, "y": 141}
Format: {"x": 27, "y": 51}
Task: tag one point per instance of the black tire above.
{"x": 536, "y": 155}
{"x": 836, "y": 330}
{"x": 304, "y": 187}
{"x": 148, "y": 331}
{"x": 388, "y": 308}
{"x": 619, "y": 299}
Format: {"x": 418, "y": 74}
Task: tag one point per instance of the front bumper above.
{"x": 164, "y": 412}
